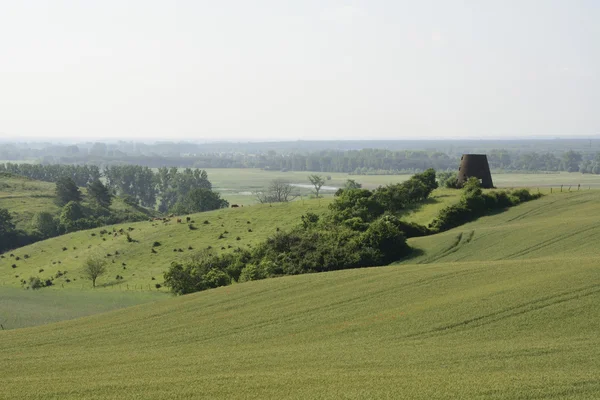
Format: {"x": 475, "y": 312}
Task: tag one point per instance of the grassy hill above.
{"x": 135, "y": 261}
{"x": 138, "y": 265}
{"x": 24, "y": 197}
{"x": 517, "y": 316}
{"x": 564, "y": 225}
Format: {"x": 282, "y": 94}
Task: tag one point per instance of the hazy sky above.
{"x": 286, "y": 70}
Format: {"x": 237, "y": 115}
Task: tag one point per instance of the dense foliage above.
{"x": 475, "y": 203}
{"x": 362, "y": 229}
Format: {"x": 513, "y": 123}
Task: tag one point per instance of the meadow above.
{"x": 511, "y": 314}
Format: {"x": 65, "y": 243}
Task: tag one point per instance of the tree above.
{"x": 352, "y": 184}
{"x": 279, "y": 191}
{"x": 198, "y": 200}
{"x": 571, "y": 160}
{"x": 99, "y": 193}
{"x": 93, "y": 268}
{"x": 7, "y": 229}
{"x": 317, "y": 181}
{"x": 66, "y": 191}
{"x": 44, "y": 223}
{"x": 70, "y": 213}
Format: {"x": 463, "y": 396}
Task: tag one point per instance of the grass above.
{"x": 24, "y": 197}
{"x": 495, "y": 329}
{"x": 22, "y": 308}
{"x": 135, "y": 261}
{"x": 557, "y": 225}
{"x": 506, "y": 307}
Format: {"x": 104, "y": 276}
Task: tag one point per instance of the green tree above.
{"x": 93, "y": 268}
{"x": 317, "y": 181}
{"x": 99, "y": 193}
{"x": 45, "y": 224}
{"x": 7, "y": 229}
{"x": 70, "y": 213}
{"x": 66, "y": 191}
{"x": 352, "y": 184}
{"x": 198, "y": 200}
{"x": 570, "y": 161}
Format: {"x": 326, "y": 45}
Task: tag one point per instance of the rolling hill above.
{"x": 512, "y": 313}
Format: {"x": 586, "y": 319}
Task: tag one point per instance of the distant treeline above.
{"x": 368, "y": 161}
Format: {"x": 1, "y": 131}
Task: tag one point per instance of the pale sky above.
{"x": 287, "y": 70}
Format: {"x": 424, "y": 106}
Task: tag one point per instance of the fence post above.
{"x": 550, "y": 190}
{"x": 561, "y": 186}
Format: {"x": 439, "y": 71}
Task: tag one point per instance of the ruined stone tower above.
{"x": 475, "y": 165}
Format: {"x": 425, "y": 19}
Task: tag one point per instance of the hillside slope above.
{"x": 565, "y": 225}
{"x": 505, "y": 327}
{"x": 24, "y": 197}
{"x": 134, "y": 261}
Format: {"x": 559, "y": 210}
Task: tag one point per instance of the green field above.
{"x": 512, "y": 313}
{"x": 21, "y": 308}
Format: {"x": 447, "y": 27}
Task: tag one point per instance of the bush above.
{"x": 35, "y": 283}
{"x": 155, "y": 244}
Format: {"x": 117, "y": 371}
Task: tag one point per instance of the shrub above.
{"x": 192, "y": 227}
{"x": 64, "y": 249}
{"x": 14, "y": 265}
{"x": 206, "y": 222}
{"x": 238, "y": 238}
{"x": 26, "y": 256}
{"x": 155, "y": 244}
{"x": 158, "y": 286}
{"x": 36, "y": 283}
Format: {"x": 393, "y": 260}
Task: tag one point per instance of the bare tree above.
{"x": 279, "y": 191}
{"x": 317, "y": 181}
{"x": 93, "y": 268}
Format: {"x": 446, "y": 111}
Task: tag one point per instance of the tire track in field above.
{"x": 460, "y": 241}
{"x": 510, "y": 312}
{"x": 534, "y": 211}
{"x": 547, "y": 242}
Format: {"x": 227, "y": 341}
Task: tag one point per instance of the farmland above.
{"x": 512, "y": 313}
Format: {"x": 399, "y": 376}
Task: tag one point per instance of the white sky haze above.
{"x": 287, "y": 70}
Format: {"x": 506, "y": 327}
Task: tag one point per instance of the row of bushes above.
{"x": 474, "y": 204}
{"x": 314, "y": 247}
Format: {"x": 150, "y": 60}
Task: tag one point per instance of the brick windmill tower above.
{"x": 475, "y": 165}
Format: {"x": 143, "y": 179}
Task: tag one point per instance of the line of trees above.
{"x": 359, "y": 162}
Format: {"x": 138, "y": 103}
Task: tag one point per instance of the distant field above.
{"x": 237, "y": 185}
{"x": 510, "y": 311}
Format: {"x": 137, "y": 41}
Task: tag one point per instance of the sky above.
{"x": 289, "y": 70}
